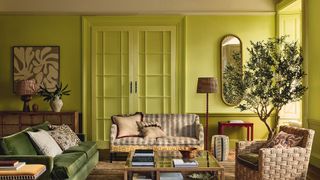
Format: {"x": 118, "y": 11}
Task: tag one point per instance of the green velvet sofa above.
{"x": 74, "y": 163}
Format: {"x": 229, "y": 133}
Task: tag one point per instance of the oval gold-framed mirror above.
{"x": 230, "y": 56}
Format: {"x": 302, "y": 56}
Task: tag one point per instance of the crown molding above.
{"x": 221, "y": 13}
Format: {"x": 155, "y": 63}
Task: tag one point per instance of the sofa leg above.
{"x": 111, "y": 157}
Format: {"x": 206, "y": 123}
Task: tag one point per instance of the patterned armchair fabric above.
{"x": 184, "y": 131}
{"x": 277, "y": 163}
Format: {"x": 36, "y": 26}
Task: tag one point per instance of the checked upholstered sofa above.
{"x": 182, "y": 132}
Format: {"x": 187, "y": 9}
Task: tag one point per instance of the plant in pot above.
{"x": 54, "y": 97}
{"x": 272, "y": 77}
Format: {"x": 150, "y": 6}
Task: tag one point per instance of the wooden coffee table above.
{"x": 163, "y": 163}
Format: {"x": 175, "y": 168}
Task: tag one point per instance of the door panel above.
{"x": 156, "y": 71}
{"x": 111, "y": 77}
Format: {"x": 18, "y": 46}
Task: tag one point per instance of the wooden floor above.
{"x": 114, "y": 171}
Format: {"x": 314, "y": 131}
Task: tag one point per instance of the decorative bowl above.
{"x": 189, "y": 154}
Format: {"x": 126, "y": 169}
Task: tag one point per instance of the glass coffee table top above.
{"x": 163, "y": 159}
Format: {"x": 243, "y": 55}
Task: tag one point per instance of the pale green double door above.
{"x": 133, "y": 69}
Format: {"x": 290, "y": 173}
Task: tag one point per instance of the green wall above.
{"x": 64, "y": 31}
{"x": 202, "y": 58}
{"x": 203, "y": 36}
{"x": 313, "y": 54}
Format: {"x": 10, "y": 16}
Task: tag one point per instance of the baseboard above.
{"x": 103, "y": 144}
{"x": 315, "y": 155}
{"x": 315, "y": 159}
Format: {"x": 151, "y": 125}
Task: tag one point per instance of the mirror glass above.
{"x": 231, "y": 62}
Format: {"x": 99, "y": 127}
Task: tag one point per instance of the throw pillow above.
{"x": 64, "y": 136}
{"x": 127, "y": 125}
{"x": 46, "y": 144}
{"x": 283, "y": 140}
{"x": 152, "y": 132}
{"x": 144, "y": 124}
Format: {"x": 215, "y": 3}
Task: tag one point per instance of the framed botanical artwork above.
{"x": 41, "y": 63}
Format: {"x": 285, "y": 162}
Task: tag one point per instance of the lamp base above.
{"x": 26, "y": 99}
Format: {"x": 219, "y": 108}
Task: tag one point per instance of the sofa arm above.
{"x": 248, "y": 146}
{"x": 200, "y": 133}
{"x": 31, "y": 159}
{"x": 113, "y": 133}
{"x": 293, "y": 161}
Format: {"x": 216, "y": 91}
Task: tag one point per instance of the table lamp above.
{"x": 207, "y": 85}
{"x": 25, "y": 88}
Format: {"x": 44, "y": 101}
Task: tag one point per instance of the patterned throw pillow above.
{"x": 144, "y": 124}
{"x": 64, "y": 136}
{"x": 45, "y": 143}
{"x": 283, "y": 140}
{"x": 127, "y": 124}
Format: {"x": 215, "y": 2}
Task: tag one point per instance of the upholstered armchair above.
{"x": 274, "y": 163}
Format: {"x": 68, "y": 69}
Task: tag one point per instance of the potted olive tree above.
{"x": 272, "y": 77}
{"x": 54, "y": 97}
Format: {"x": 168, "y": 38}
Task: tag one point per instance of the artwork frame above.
{"x": 41, "y": 63}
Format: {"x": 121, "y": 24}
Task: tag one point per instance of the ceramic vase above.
{"x": 56, "y": 104}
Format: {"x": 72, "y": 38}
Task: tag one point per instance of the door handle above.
{"x": 130, "y": 87}
{"x": 136, "y": 86}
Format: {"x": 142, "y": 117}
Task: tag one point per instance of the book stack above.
{"x": 171, "y": 176}
{"x": 236, "y": 121}
{"x": 185, "y": 163}
{"x": 11, "y": 165}
{"x": 143, "y": 158}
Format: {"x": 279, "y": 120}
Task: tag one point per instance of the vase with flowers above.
{"x": 54, "y": 97}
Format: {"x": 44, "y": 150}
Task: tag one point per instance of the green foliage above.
{"x": 233, "y": 94}
{"x": 50, "y": 96}
{"x": 272, "y": 78}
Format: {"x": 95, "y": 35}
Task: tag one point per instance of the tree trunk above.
{"x": 270, "y": 130}
{"x": 273, "y": 131}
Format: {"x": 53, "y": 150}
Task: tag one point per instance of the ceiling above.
{"x": 106, "y": 7}
{"x": 293, "y": 7}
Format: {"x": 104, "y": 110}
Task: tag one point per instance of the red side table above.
{"x": 249, "y": 126}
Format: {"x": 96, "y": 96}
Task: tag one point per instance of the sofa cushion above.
{"x": 46, "y": 144}
{"x": 134, "y": 141}
{"x": 18, "y": 144}
{"x": 127, "y": 125}
{"x": 249, "y": 159}
{"x": 143, "y": 124}
{"x": 152, "y": 132}
{"x": 175, "y": 124}
{"x": 89, "y": 148}
{"x": 66, "y": 165}
{"x": 283, "y": 140}
{"x": 64, "y": 136}
{"x": 177, "y": 141}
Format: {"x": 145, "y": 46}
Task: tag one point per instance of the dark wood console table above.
{"x": 249, "y": 126}
{"x": 15, "y": 121}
